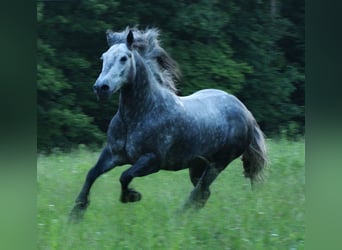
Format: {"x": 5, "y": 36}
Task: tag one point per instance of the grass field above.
{"x": 270, "y": 217}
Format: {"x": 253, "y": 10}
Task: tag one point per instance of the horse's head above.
{"x": 117, "y": 69}
{"x": 146, "y": 43}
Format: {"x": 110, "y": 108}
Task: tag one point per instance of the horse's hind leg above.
{"x": 201, "y": 192}
{"x": 196, "y": 171}
{"x": 106, "y": 162}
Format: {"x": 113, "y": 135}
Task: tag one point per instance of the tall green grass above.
{"x": 270, "y": 217}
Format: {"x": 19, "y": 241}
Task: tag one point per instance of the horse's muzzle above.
{"x": 102, "y": 91}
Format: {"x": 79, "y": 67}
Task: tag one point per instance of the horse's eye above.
{"x": 123, "y": 59}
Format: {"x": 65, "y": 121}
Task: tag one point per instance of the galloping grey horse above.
{"x": 154, "y": 129}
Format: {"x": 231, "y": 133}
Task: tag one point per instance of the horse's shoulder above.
{"x": 116, "y": 121}
{"x": 116, "y": 128}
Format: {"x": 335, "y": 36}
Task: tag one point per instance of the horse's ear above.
{"x": 111, "y": 39}
{"x": 130, "y": 39}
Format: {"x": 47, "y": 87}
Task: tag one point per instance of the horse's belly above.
{"x": 180, "y": 155}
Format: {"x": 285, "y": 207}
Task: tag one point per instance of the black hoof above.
{"x": 77, "y": 213}
{"x": 130, "y": 195}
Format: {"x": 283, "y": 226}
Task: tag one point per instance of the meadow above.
{"x": 235, "y": 217}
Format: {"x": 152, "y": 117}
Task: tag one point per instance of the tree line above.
{"x": 253, "y": 49}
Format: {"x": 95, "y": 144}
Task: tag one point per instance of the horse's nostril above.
{"x": 105, "y": 87}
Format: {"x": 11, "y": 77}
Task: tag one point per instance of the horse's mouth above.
{"x": 103, "y": 96}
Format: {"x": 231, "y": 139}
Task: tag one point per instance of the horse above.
{"x": 155, "y": 129}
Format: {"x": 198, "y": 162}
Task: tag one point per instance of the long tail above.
{"x": 255, "y": 157}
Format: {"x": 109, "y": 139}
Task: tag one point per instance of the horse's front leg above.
{"x": 106, "y": 162}
{"x": 146, "y": 164}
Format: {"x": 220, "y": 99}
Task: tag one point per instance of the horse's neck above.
{"x": 141, "y": 94}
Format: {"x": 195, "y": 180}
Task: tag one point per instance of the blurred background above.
{"x": 253, "y": 49}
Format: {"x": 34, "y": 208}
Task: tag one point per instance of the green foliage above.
{"x": 270, "y": 217}
{"x": 214, "y": 66}
{"x": 237, "y": 46}
{"x": 267, "y": 91}
{"x": 61, "y": 122}
{"x": 203, "y": 21}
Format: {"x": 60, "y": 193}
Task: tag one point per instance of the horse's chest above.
{"x": 139, "y": 142}
{"x": 151, "y": 139}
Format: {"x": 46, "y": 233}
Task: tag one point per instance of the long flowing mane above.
{"x": 147, "y": 43}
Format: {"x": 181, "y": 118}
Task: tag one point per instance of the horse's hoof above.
{"x": 130, "y": 195}
{"x": 77, "y": 213}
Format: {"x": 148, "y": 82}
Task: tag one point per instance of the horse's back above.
{"x": 214, "y": 96}
{"x": 207, "y": 93}
{"x": 212, "y": 101}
